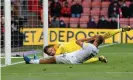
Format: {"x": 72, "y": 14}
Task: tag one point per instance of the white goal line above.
{"x": 17, "y": 57}
{"x": 76, "y": 73}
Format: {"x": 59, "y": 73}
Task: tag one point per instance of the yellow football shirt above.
{"x": 66, "y": 47}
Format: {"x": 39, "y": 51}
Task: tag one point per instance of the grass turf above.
{"x": 119, "y": 67}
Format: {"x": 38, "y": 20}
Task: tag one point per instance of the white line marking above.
{"x": 13, "y": 64}
{"x": 12, "y": 57}
{"x": 107, "y": 45}
{"x": 75, "y": 73}
{"x": 18, "y": 57}
{"x": 118, "y": 53}
{"x": 23, "y": 61}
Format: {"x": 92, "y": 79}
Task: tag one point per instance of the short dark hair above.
{"x": 45, "y": 50}
{"x": 100, "y": 40}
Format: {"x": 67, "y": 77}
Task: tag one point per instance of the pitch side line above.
{"x": 108, "y": 45}
{"x": 23, "y": 61}
{"x": 17, "y": 57}
{"x": 76, "y": 73}
{"x": 13, "y": 64}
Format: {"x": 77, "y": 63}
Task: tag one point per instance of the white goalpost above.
{"x": 0, "y": 35}
{"x": 45, "y": 25}
{"x": 8, "y": 50}
{"x": 7, "y": 9}
{"x": 118, "y": 27}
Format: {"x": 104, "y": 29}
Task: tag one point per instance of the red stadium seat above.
{"x": 61, "y": 3}
{"x": 86, "y": 4}
{"x": 96, "y": 0}
{"x": 106, "y": 9}
{"x": 131, "y": 26}
{"x": 49, "y": 2}
{"x": 95, "y": 12}
{"x": 106, "y": 18}
{"x": 131, "y": 22}
{"x": 66, "y": 20}
{"x": 83, "y": 22}
{"x": 84, "y": 19}
{"x": 73, "y": 25}
{"x": 105, "y": 4}
{"x": 86, "y": 12}
{"x": 73, "y": 2}
{"x": 124, "y": 22}
{"x": 74, "y": 22}
{"x": 69, "y": 0}
{"x": 70, "y": 3}
{"x": 104, "y": 12}
{"x": 87, "y": 1}
{"x": 96, "y": 4}
{"x": 96, "y": 8}
{"x": 128, "y": 3}
{"x": 78, "y": 1}
{"x": 84, "y": 16}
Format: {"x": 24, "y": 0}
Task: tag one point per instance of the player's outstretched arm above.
{"x": 80, "y": 41}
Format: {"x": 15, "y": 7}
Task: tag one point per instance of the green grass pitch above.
{"x": 119, "y": 67}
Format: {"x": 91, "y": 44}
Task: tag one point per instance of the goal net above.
{"x": 21, "y": 23}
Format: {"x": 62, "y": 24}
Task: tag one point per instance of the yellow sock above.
{"x": 92, "y": 60}
{"x": 111, "y": 33}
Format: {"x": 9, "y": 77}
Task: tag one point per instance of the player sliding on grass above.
{"x": 72, "y": 46}
{"x": 69, "y": 47}
{"x": 87, "y": 51}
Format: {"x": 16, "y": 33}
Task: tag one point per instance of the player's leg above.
{"x": 99, "y": 39}
{"x": 95, "y": 59}
{"x": 91, "y": 60}
{"x": 102, "y": 59}
{"x": 47, "y": 61}
{"x": 35, "y": 56}
{"x": 114, "y": 32}
{"x": 39, "y": 61}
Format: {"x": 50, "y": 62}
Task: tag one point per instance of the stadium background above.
{"x": 27, "y": 35}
